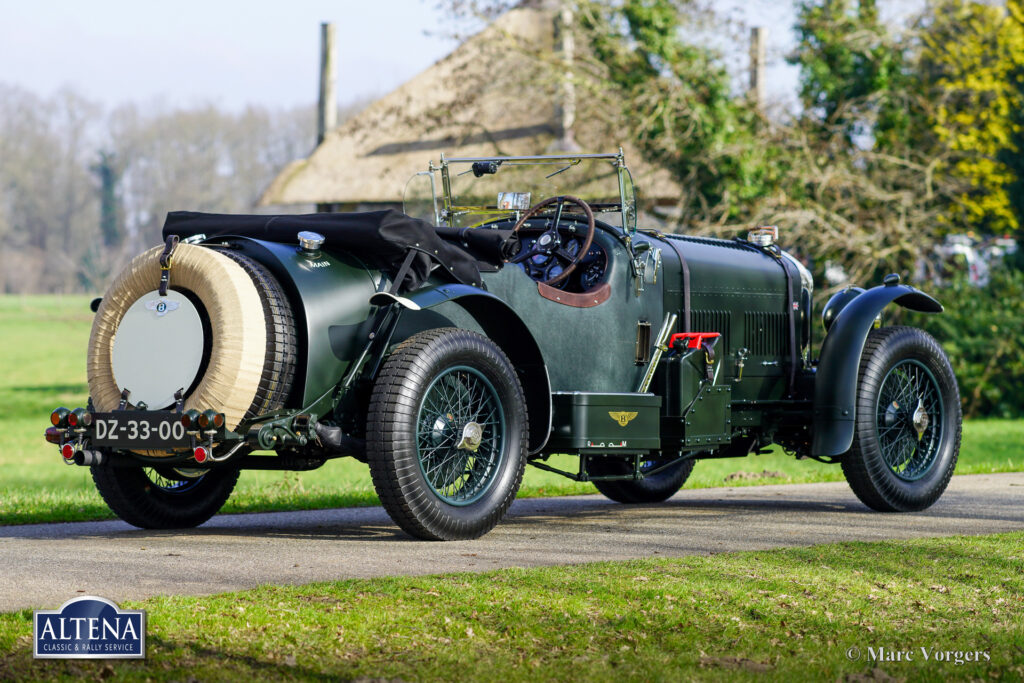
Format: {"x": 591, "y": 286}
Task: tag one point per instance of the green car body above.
{"x": 594, "y": 356}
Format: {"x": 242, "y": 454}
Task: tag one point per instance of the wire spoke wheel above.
{"x": 653, "y": 488}
{"x": 909, "y": 420}
{"x": 164, "y": 497}
{"x": 460, "y": 435}
{"x": 907, "y": 426}
{"x": 245, "y": 334}
{"x": 446, "y": 435}
{"x": 173, "y": 480}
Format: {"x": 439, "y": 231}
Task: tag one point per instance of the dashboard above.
{"x": 591, "y": 269}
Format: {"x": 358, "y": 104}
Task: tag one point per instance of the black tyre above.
{"x": 225, "y": 334}
{"x": 169, "y": 498}
{"x": 446, "y": 434}
{"x": 907, "y": 436}
{"x": 653, "y": 488}
{"x": 163, "y": 498}
{"x": 279, "y": 363}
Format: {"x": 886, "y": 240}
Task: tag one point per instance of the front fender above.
{"x": 835, "y": 386}
{"x": 506, "y": 329}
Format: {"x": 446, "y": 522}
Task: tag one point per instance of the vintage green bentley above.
{"x": 515, "y": 311}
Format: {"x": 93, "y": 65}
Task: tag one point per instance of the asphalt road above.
{"x": 45, "y": 565}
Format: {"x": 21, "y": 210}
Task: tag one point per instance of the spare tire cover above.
{"x": 158, "y": 351}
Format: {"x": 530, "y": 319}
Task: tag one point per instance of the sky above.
{"x": 226, "y": 53}
{"x": 231, "y": 54}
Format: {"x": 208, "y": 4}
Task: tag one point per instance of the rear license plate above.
{"x": 139, "y": 430}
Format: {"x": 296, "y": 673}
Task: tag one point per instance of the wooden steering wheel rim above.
{"x": 588, "y": 240}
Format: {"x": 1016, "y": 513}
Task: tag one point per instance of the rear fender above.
{"x": 835, "y": 386}
{"x": 329, "y": 294}
{"x": 506, "y": 329}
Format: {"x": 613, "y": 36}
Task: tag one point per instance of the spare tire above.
{"x": 224, "y": 335}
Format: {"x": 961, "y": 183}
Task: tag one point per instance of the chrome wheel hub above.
{"x": 442, "y": 427}
{"x": 472, "y": 435}
{"x": 460, "y": 437}
{"x": 920, "y": 420}
{"x": 909, "y": 420}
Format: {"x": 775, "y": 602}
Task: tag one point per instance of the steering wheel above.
{"x": 549, "y": 244}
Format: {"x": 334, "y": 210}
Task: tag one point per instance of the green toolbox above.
{"x": 605, "y": 423}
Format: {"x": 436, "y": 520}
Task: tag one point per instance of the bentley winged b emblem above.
{"x": 161, "y": 306}
{"x": 622, "y": 417}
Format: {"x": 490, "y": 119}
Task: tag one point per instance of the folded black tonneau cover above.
{"x": 380, "y": 239}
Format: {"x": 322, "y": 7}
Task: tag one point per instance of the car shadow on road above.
{"x": 545, "y": 514}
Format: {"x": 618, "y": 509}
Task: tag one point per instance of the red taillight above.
{"x": 200, "y": 454}
{"x": 68, "y": 451}
{"x": 53, "y": 435}
{"x": 79, "y": 418}
{"x": 58, "y": 418}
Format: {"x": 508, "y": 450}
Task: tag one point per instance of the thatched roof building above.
{"x": 495, "y": 94}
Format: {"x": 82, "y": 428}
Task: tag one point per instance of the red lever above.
{"x": 693, "y": 340}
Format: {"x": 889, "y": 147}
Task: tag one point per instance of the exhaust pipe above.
{"x": 89, "y": 458}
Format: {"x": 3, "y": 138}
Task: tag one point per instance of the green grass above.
{"x": 44, "y": 341}
{"x": 787, "y": 615}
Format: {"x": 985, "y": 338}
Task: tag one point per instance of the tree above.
{"x": 925, "y": 117}
{"x": 638, "y": 68}
{"x": 840, "y": 191}
{"x": 201, "y": 160}
{"x": 70, "y": 218}
{"x": 981, "y": 330}
{"x": 972, "y": 57}
{"x": 676, "y": 97}
{"x": 46, "y": 194}
{"x": 1013, "y": 154}
{"x": 853, "y": 73}
{"x": 108, "y": 172}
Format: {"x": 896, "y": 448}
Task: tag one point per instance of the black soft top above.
{"x": 380, "y": 239}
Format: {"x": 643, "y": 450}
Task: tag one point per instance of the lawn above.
{"x": 816, "y": 613}
{"x": 44, "y": 341}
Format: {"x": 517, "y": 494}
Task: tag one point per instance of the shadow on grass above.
{"x": 53, "y": 389}
{"x": 167, "y": 659}
{"x": 36, "y": 402}
{"x": 14, "y": 512}
{"x": 226, "y": 662}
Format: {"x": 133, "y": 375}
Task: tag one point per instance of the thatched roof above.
{"x": 491, "y": 96}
